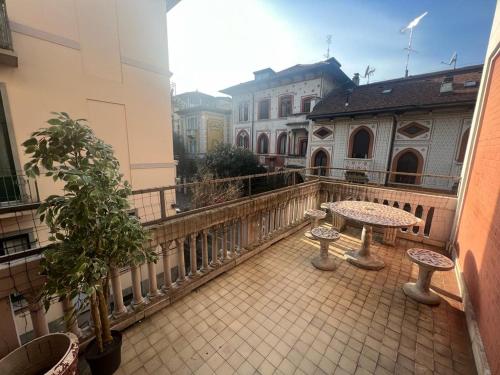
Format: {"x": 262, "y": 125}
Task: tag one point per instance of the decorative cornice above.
{"x": 43, "y": 35}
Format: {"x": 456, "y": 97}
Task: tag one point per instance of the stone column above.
{"x": 390, "y": 235}
{"x": 38, "y": 318}
{"x": 180, "y": 261}
{"x": 193, "y": 271}
{"x": 167, "y": 275}
{"x": 71, "y": 315}
{"x": 235, "y": 238}
{"x": 215, "y": 249}
{"x": 137, "y": 298}
{"x": 153, "y": 282}
{"x": 204, "y": 251}
{"x": 116, "y": 286}
{"x": 8, "y": 330}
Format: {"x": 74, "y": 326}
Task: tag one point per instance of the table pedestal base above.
{"x": 363, "y": 258}
{"x": 426, "y": 297}
{"x": 368, "y": 262}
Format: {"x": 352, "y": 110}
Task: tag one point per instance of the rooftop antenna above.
{"x": 328, "y": 43}
{"x": 369, "y": 72}
{"x": 453, "y": 61}
{"x": 410, "y": 27}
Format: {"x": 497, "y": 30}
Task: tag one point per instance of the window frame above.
{"x": 302, "y": 101}
{"x": 280, "y": 101}
{"x": 259, "y": 151}
{"x": 243, "y": 111}
{"x": 243, "y": 133}
{"x": 259, "y": 104}
{"x": 278, "y": 148}
{"x": 462, "y": 147}
{"x": 370, "y": 143}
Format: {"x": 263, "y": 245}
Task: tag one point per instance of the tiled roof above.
{"x": 422, "y": 91}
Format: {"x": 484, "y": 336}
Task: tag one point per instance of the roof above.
{"x": 414, "y": 92}
{"x": 330, "y": 65}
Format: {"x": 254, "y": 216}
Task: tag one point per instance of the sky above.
{"x": 214, "y": 44}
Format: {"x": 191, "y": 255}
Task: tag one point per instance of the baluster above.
{"x": 153, "y": 282}
{"x": 167, "y": 275}
{"x": 193, "y": 272}
{"x": 224, "y": 242}
{"x": 244, "y": 232}
{"x": 38, "y": 317}
{"x": 204, "y": 251}
{"x": 215, "y": 249}
{"x": 390, "y": 235}
{"x": 71, "y": 315}
{"x": 425, "y": 211}
{"x": 251, "y": 227}
{"x": 271, "y": 220}
{"x": 235, "y": 238}
{"x": 137, "y": 298}
{"x": 180, "y": 261}
{"x": 119, "y": 307}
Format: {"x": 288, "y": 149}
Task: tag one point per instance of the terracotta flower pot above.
{"x": 53, "y": 354}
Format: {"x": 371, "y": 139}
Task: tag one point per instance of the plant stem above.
{"x": 103, "y": 312}
{"x": 94, "y": 310}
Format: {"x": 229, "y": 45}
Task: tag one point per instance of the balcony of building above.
{"x": 7, "y": 54}
{"x": 17, "y": 192}
{"x": 241, "y": 295}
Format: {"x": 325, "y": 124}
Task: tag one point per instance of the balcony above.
{"x": 17, "y": 193}
{"x": 297, "y": 161}
{"x": 7, "y": 55}
{"x": 257, "y": 302}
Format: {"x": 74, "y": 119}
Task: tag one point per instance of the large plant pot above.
{"x": 53, "y": 354}
{"x": 105, "y": 363}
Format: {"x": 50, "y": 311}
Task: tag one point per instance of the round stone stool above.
{"x": 314, "y": 216}
{"x": 324, "y": 235}
{"x": 428, "y": 261}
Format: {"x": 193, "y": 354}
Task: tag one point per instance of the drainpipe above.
{"x": 391, "y": 147}
{"x": 253, "y": 115}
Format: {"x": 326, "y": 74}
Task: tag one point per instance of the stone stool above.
{"x": 428, "y": 261}
{"x": 324, "y": 235}
{"x": 315, "y": 216}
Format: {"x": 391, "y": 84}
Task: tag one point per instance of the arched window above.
{"x": 263, "y": 144}
{"x": 320, "y": 159}
{"x": 361, "y": 143}
{"x": 243, "y": 139}
{"x": 281, "y": 144}
{"x": 407, "y": 161}
{"x": 463, "y": 146}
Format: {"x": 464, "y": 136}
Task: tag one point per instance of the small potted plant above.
{"x": 90, "y": 227}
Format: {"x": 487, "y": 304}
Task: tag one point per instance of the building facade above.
{"x": 202, "y": 121}
{"x": 269, "y": 112}
{"x": 104, "y": 61}
{"x": 418, "y": 125}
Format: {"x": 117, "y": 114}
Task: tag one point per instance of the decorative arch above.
{"x": 281, "y": 143}
{"x": 361, "y": 143}
{"x": 408, "y": 160}
{"x": 463, "y": 146}
{"x": 263, "y": 144}
{"x": 320, "y": 158}
{"x": 243, "y": 139}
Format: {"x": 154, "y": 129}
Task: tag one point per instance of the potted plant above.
{"x": 90, "y": 227}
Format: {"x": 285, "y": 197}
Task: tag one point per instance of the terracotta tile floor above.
{"x": 277, "y": 314}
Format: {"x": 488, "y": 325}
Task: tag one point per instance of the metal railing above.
{"x": 16, "y": 189}
{"x": 5, "y": 33}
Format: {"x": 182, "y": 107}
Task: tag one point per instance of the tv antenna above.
{"x": 453, "y": 61}
{"x": 368, "y": 73}
{"x": 328, "y": 43}
{"x": 410, "y": 27}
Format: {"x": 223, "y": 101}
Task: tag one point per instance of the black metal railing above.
{"x": 5, "y": 33}
{"x": 17, "y": 189}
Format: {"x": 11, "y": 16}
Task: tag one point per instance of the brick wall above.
{"x": 478, "y": 241}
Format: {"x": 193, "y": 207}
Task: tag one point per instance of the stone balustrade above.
{"x": 192, "y": 249}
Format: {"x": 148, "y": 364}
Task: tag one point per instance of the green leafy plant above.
{"x": 90, "y": 227}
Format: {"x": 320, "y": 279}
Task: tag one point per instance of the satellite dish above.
{"x": 453, "y": 60}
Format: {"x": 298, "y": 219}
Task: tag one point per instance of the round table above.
{"x": 324, "y": 235}
{"x": 428, "y": 261}
{"x": 371, "y": 214}
{"x": 314, "y": 216}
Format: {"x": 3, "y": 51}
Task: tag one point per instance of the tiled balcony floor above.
{"x": 277, "y": 314}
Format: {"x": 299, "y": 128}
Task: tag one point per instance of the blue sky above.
{"x": 214, "y": 44}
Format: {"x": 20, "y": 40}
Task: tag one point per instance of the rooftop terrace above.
{"x": 277, "y": 314}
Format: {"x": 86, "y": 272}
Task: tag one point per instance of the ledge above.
{"x": 8, "y": 57}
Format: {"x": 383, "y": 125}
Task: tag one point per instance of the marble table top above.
{"x": 430, "y": 258}
{"x": 323, "y": 233}
{"x": 374, "y": 214}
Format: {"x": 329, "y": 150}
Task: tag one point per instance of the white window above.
{"x": 243, "y": 112}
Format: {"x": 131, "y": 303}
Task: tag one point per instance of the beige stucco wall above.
{"x": 103, "y": 60}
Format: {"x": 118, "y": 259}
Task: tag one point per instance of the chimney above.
{"x": 355, "y": 79}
